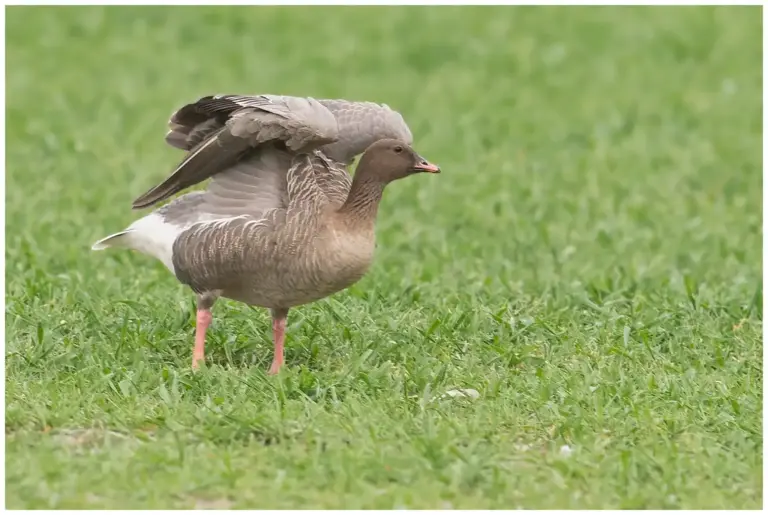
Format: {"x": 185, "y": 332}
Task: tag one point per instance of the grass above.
{"x": 589, "y": 261}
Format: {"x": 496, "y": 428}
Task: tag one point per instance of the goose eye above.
{"x": 398, "y": 149}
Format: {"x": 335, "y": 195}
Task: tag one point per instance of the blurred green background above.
{"x": 589, "y": 261}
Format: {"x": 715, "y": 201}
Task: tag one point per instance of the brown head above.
{"x": 390, "y": 159}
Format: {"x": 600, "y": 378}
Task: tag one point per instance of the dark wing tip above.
{"x": 151, "y": 197}
{"x": 201, "y": 162}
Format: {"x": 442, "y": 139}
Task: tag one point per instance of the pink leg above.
{"x": 278, "y": 333}
{"x": 204, "y": 318}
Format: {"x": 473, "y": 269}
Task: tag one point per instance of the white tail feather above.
{"x": 150, "y": 235}
{"x": 113, "y": 240}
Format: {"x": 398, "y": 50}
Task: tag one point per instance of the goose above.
{"x": 281, "y": 223}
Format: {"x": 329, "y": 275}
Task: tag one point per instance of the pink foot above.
{"x": 204, "y": 318}
{"x": 278, "y": 333}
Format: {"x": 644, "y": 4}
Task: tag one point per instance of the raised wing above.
{"x": 362, "y": 124}
{"x": 220, "y": 130}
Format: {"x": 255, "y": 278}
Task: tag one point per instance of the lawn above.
{"x": 589, "y": 261}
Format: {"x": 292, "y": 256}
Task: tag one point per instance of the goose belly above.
{"x": 290, "y": 280}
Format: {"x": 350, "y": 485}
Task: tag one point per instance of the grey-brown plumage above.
{"x": 281, "y": 223}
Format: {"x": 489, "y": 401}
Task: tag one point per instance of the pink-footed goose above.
{"x": 281, "y": 222}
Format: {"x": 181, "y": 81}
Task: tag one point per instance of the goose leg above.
{"x": 279, "y": 317}
{"x": 204, "y": 318}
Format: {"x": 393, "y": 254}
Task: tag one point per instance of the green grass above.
{"x": 589, "y": 261}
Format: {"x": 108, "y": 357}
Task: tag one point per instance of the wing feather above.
{"x": 231, "y": 128}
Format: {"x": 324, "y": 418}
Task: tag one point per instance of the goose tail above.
{"x": 152, "y": 235}
{"x": 119, "y": 239}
